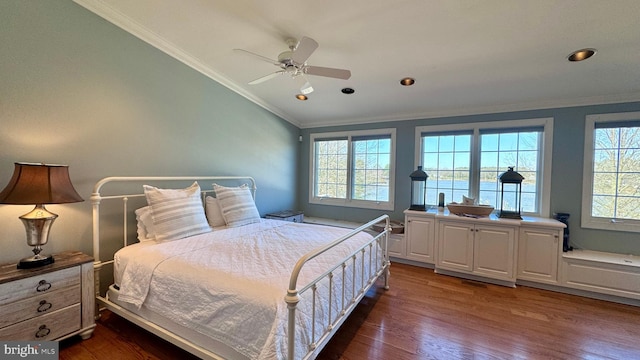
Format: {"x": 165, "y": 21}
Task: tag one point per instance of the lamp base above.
{"x": 35, "y": 261}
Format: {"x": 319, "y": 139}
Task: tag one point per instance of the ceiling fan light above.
{"x": 301, "y": 97}
{"x": 407, "y": 81}
{"x": 582, "y": 54}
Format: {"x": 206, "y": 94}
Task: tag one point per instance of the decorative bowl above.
{"x": 396, "y": 227}
{"x": 476, "y": 210}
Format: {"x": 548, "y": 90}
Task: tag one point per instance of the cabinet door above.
{"x": 455, "y": 246}
{"x": 538, "y": 254}
{"x": 419, "y": 233}
{"x": 494, "y": 251}
{"x": 397, "y": 245}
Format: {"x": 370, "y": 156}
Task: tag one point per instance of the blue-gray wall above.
{"x": 566, "y": 174}
{"x": 78, "y": 90}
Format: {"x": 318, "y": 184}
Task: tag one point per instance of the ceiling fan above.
{"x": 294, "y": 63}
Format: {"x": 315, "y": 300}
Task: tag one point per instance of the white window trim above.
{"x": 546, "y": 156}
{"x": 588, "y": 221}
{"x": 365, "y": 204}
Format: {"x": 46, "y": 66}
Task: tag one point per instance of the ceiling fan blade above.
{"x": 304, "y": 49}
{"x": 305, "y": 86}
{"x": 263, "y": 58}
{"x": 266, "y": 77}
{"x": 328, "y": 72}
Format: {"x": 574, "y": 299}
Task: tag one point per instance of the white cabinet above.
{"x": 397, "y": 246}
{"x": 538, "y": 254}
{"x": 494, "y": 252}
{"x": 479, "y": 249}
{"x": 455, "y": 246}
{"x": 419, "y": 234}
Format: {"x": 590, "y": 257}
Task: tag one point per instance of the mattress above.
{"x": 228, "y": 286}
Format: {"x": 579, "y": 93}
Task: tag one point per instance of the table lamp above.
{"x": 38, "y": 184}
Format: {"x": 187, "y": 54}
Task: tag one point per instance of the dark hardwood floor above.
{"x": 430, "y": 316}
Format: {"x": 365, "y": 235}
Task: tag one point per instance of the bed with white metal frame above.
{"x": 377, "y": 268}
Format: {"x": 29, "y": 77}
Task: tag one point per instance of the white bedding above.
{"x": 230, "y": 284}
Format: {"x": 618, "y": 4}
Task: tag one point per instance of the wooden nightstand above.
{"x": 52, "y": 302}
{"x": 287, "y": 215}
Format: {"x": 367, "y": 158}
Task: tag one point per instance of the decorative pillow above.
{"x": 144, "y": 220}
{"x": 237, "y": 205}
{"x": 177, "y": 213}
{"x": 213, "y": 212}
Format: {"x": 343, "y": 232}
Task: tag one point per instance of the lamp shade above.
{"x": 39, "y": 184}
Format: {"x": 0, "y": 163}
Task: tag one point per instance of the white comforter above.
{"x": 230, "y": 284}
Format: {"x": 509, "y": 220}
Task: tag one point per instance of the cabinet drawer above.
{"x": 299, "y": 218}
{"x": 39, "y": 284}
{"x": 46, "y": 327}
{"x": 38, "y": 305}
{"x": 396, "y": 245}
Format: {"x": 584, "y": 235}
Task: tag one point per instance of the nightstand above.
{"x": 52, "y": 302}
{"x": 287, "y": 215}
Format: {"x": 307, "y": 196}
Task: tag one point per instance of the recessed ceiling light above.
{"x": 407, "y": 81}
{"x": 302, "y": 97}
{"x": 582, "y": 54}
{"x": 347, "y": 91}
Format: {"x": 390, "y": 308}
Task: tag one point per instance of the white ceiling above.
{"x": 467, "y": 56}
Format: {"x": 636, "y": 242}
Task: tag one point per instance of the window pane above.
{"x": 518, "y": 149}
{"x": 629, "y": 185}
{"x": 605, "y": 160}
{"x": 372, "y": 158}
{"x": 508, "y": 142}
{"x": 528, "y": 141}
{"x": 489, "y": 160}
{"x": 627, "y": 208}
{"x": 603, "y": 206}
{"x": 331, "y": 167}
{"x": 447, "y": 161}
{"x": 489, "y": 142}
{"x": 604, "y": 183}
{"x": 489, "y": 198}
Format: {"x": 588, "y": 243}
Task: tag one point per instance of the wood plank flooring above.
{"x": 430, "y": 316}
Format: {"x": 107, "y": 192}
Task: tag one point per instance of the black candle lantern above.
{"x": 418, "y": 189}
{"x": 511, "y": 182}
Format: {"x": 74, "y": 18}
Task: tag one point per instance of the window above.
{"x": 447, "y": 161}
{"x": 353, "y": 169}
{"x": 501, "y": 149}
{"x": 467, "y": 159}
{"x": 611, "y": 188}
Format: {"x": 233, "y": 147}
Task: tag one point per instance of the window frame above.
{"x": 544, "y": 186}
{"x": 587, "y": 220}
{"x": 349, "y": 201}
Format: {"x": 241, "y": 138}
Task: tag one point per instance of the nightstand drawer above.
{"x": 39, "y": 284}
{"x": 45, "y": 327}
{"x": 38, "y": 305}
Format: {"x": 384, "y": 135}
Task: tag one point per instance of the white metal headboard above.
{"x": 96, "y": 199}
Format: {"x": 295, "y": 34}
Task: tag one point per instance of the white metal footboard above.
{"x": 373, "y": 265}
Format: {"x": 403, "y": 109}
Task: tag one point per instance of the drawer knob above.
{"x": 43, "y": 285}
{"x": 44, "y": 306}
{"x": 42, "y": 331}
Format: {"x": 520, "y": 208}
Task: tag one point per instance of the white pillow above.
{"x": 144, "y": 220}
{"x": 177, "y": 213}
{"x": 213, "y": 212}
{"x": 237, "y": 205}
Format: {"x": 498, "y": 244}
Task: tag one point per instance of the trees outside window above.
{"x": 611, "y": 188}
